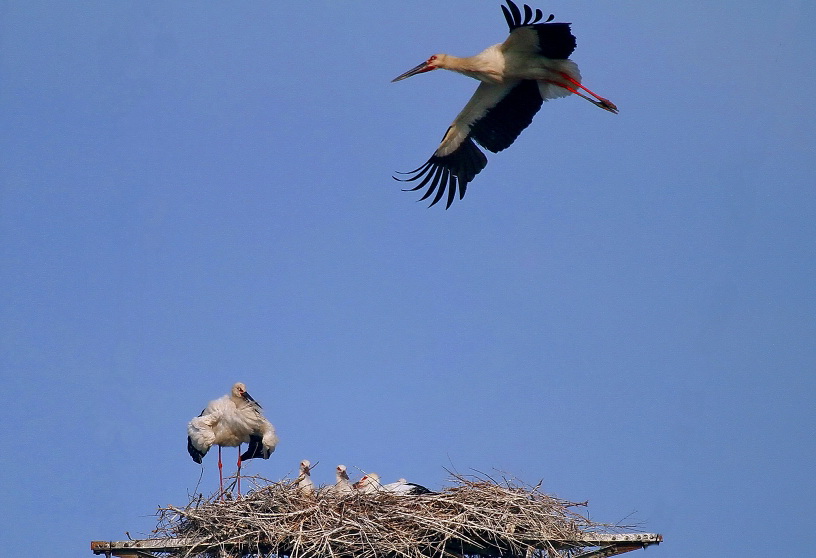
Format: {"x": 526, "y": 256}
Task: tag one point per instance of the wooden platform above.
{"x": 597, "y": 545}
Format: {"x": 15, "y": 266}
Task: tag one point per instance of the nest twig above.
{"x": 475, "y": 516}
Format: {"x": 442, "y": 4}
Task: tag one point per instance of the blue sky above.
{"x": 193, "y": 194}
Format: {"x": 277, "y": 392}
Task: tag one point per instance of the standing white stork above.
{"x": 531, "y": 66}
{"x": 230, "y": 421}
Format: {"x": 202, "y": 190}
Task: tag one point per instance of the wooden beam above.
{"x": 610, "y": 545}
{"x": 600, "y": 539}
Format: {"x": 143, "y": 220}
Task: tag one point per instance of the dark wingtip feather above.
{"x": 515, "y": 11}
{"x": 528, "y": 14}
{"x": 441, "y": 183}
{"x": 508, "y": 18}
{"x": 451, "y": 192}
{"x": 514, "y": 18}
{"x": 434, "y": 182}
{"x": 448, "y": 173}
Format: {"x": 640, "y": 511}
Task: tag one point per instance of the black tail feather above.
{"x": 194, "y": 452}
{"x": 255, "y": 449}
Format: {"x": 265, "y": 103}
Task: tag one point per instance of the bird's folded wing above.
{"x": 200, "y": 430}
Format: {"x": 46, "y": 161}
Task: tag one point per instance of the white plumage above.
{"x": 531, "y": 66}
{"x": 404, "y": 488}
{"x": 342, "y": 487}
{"x": 304, "y": 481}
{"x": 229, "y": 421}
{"x": 370, "y": 484}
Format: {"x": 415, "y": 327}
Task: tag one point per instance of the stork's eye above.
{"x": 432, "y": 58}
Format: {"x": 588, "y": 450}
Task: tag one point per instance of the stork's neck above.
{"x": 486, "y": 66}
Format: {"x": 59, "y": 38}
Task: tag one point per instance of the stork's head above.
{"x": 341, "y": 472}
{"x": 305, "y": 467}
{"x": 369, "y": 483}
{"x": 239, "y": 392}
{"x": 432, "y": 63}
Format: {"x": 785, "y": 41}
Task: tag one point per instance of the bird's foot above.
{"x": 606, "y": 104}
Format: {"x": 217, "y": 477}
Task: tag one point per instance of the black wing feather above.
{"x": 417, "y": 489}
{"x": 554, "y": 39}
{"x": 434, "y": 172}
{"x": 193, "y": 451}
{"x": 513, "y": 15}
{"x": 502, "y": 124}
{"x": 528, "y": 13}
{"x": 426, "y": 169}
{"x": 495, "y": 131}
{"x": 442, "y": 179}
{"x": 449, "y": 172}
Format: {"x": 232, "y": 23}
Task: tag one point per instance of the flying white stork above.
{"x": 230, "y": 421}
{"x": 531, "y": 66}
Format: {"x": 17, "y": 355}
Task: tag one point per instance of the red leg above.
{"x": 239, "y": 470}
{"x": 605, "y": 104}
{"x": 220, "y": 473}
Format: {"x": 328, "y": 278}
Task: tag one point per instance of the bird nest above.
{"x": 475, "y": 517}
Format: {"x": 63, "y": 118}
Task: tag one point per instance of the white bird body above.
{"x": 342, "y": 486}
{"x": 229, "y": 421}
{"x": 370, "y": 484}
{"x": 529, "y": 67}
{"x": 404, "y": 488}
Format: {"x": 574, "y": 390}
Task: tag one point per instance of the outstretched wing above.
{"x": 494, "y": 117}
{"x": 551, "y": 40}
{"x": 499, "y": 125}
